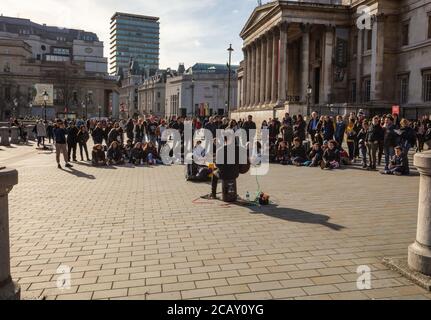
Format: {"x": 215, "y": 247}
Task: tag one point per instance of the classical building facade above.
{"x": 201, "y": 90}
{"x": 70, "y": 60}
{"x": 335, "y": 56}
{"x": 152, "y": 94}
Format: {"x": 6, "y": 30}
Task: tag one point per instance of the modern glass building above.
{"x": 134, "y": 36}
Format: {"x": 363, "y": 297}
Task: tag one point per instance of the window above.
{"x": 367, "y": 90}
{"x": 7, "y": 93}
{"x": 427, "y": 86}
{"x": 405, "y": 34}
{"x": 158, "y": 107}
{"x": 317, "y": 49}
{"x": 429, "y": 25}
{"x": 403, "y": 94}
{"x": 353, "y": 91}
{"x": 61, "y": 51}
{"x": 158, "y": 95}
{"x": 369, "y": 39}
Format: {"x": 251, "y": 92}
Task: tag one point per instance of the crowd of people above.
{"x": 321, "y": 141}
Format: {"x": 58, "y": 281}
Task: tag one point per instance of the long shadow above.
{"x": 295, "y": 215}
{"x": 84, "y": 164}
{"x": 79, "y": 174}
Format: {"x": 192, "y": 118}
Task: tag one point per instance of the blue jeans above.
{"x": 389, "y": 153}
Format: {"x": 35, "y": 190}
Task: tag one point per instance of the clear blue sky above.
{"x": 191, "y": 30}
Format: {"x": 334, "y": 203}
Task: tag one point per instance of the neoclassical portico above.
{"x": 280, "y": 61}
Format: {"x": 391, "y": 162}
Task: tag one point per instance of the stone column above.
{"x": 420, "y": 252}
{"x": 269, "y": 58}
{"x": 8, "y": 289}
{"x": 359, "y": 66}
{"x": 327, "y": 64}
{"x": 377, "y": 58}
{"x": 258, "y": 74}
{"x": 263, "y": 71}
{"x": 4, "y": 136}
{"x": 275, "y": 68}
{"x": 243, "y": 85}
{"x": 249, "y": 75}
{"x": 282, "y": 85}
{"x": 305, "y": 62}
{"x": 253, "y": 75}
{"x": 14, "y": 135}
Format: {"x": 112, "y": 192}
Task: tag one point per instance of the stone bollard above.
{"x": 4, "y": 136}
{"x": 420, "y": 252}
{"x": 30, "y": 133}
{"x": 14, "y": 135}
{"x": 9, "y": 290}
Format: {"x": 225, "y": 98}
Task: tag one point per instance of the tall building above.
{"x": 134, "y": 37}
{"x": 335, "y": 57}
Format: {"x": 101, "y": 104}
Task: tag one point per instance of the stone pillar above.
{"x": 327, "y": 64}
{"x": 359, "y": 66}
{"x": 282, "y": 85}
{"x": 258, "y": 74}
{"x": 262, "y": 86}
{"x": 305, "y": 62}
{"x": 4, "y": 136}
{"x": 275, "y": 69}
{"x": 14, "y": 135}
{"x": 377, "y": 58}
{"x": 253, "y": 75}
{"x": 243, "y": 85}
{"x": 249, "y": 76}
{"x": 8, "y": 289}
{"x": 420, "y": 252}
{"x": 269, "y": 58}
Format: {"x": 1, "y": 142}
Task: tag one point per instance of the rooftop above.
{"x": 131, "y": 15}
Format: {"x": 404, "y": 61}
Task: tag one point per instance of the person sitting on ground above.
{"x": 114, "y": 154}
{"x": 298, "y": 153}
{"x": 98, "y": 156}
{"x": 137, "y": 154}
{"x": 315, "y": 155}
{"x": 150, "y": 154}
{"x": 127, "y": 150}
{"x": 283, "y": 154}
{"x": 331, "y": 157}
{"x": 399, "y": 165}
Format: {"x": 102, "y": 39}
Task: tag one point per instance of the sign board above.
{"x": 39, "y": 91}
{"x": 341, "y": 53}
{"x": 396, "y": 110}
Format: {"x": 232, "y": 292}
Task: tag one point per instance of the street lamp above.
{"x": 195, "y": 111}
{"x": 15, "y": 105}
{"x": 45, "y": 99}
{"x": 30, "y": 106}
{"x": 230, "y": 49}
{"x": 83, "y": 111}
{"x": 309, "y": 94}
{"x": 100, "y": 112}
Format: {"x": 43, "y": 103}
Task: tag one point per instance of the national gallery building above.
{"x": 335, "y": 56}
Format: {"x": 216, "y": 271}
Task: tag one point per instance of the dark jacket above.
{"x": 375, "y": 133}
{"x": 299, "y": 152}
{"x": 331, "y": 155}
{"x": 98, "y": 135}
{"x": 340, "y": 130}
{"x": 60, "y": 135}
{"x": 391, "y": 139}
{"x": 402, "y": 163}
{"x": 114, "y": 154}
{"x": 72, "y": 135}
{"x": 83, "y": 137}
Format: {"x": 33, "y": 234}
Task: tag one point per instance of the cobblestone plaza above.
{"x": 144, "y": 233}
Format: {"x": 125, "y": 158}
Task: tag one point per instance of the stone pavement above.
{"x": 143, "y": 233}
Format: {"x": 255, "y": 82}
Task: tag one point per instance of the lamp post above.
{"x": 15, "y": 105}
{"x": 309, "y": 94}
{"x": 193, "y": 97}
{"x": 30, "y": 106}
{"x": 45, "y": 100}
{"x": 230, "y": 50}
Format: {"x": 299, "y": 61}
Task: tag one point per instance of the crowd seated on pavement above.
{"x": 321, "y": 141}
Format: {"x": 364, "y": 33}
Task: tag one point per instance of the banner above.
{"x": 396, "y": 110}
{"x": 40, "y": 89}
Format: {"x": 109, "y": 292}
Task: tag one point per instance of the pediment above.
{"x": 259, "y": 14}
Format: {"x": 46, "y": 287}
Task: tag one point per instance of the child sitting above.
{"x": 283, "y": 156}
{"x": 127, "y": 150}
{"x": 298, "y": 154}
{"x": 150, "y": 154}
{"x": 137, "y": 154}
{"x": 399, "y": 165}
{"x": 98, "y": 156}
{"x": 331, "y": 157}
{"x": 114, "y": 154}
{"x": 315, "y": 155}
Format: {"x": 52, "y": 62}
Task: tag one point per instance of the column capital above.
{"x": 423, "y": 163}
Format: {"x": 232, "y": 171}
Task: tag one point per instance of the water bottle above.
{"x": 247, "y": 196}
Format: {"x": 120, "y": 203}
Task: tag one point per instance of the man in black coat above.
{"x": 72, "y": 140}
{"x": 248, "y": 126}
{"x": 98, "y": 134}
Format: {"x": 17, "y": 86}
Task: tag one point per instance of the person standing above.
{"x": 41, "y": 133}
{"x": 312, "y": 127}
{"x": 83, "y": 137}
{"x": 60, "y": 145}
{"x": 374, "y": 136}
{"x": 72, "y": 141}
{"x": 340, "y": 130}
{"x": 248, "y": 126}
{"x": 98, "y": 134}
{"x": 390, "y": 140}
